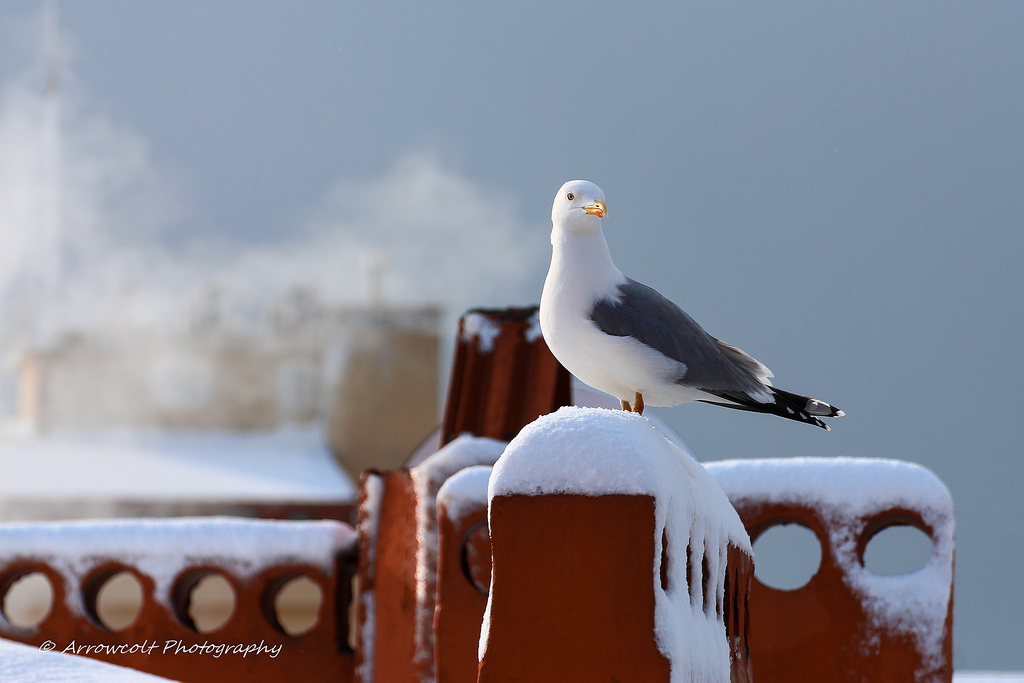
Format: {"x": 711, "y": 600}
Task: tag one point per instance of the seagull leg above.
{"x": 637, "y": 407}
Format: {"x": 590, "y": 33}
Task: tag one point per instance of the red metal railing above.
{"x": 567, "y": 568}
{"x": 846, "y": 623}
{"x": 167, "y": 559}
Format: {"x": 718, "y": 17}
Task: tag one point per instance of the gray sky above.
{"x": 837, "y": 190}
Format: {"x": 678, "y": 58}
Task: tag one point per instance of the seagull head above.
{"x": 579, "y": 207}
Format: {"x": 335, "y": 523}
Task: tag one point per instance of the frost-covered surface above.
{"x": 485, "y": 330}
{"x": 855, "y": 486}
{"x": 427, "y": 478}
{"x": 163, "y": 548}
{"x": 290, "y": 464}
{"x": 593, "y": 451}
{"x": 369, "y": 523}
{"x": 588, "y": 397}
{"x": 25, "y": 664}
{"x": 465, "y": 491}
{"x": 847, "y": 491}
{"x": 481, "y": 327}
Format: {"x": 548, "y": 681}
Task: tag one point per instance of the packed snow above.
{"x": 465, "y": 492}
{"x": 26, "y": 664}
{"x": 588, "y": 397}
{"x": 593, "y": 451}
{"x": 847, "y": 492}
{"x": 291, "y": 464}
{"x": 369, "y": 523}
{"x": 476, "y": 325}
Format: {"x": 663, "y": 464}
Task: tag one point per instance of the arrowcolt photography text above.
{"x": 167, "y": 647}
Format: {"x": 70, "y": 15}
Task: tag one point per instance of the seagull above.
{"x": 625, "y": 339}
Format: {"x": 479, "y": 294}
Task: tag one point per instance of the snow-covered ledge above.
{"x": 595, "y": 517}
{"x": 24, "y": 664}
{"x": 165, "y": 548}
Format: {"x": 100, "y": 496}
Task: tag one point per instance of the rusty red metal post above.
{"x": 503, "y": 375}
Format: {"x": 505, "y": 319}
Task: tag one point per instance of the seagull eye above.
{"x": 570, "y": 196}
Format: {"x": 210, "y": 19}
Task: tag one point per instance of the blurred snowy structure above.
{"x": 343, "y": 370}
{"x": 219, "y": 417}
{"x": 104, "y": 326}
{"x": 293, "y": 369}
{"x": 140, "y": 379}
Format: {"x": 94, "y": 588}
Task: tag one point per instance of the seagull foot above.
{"x": 638, "y": 405}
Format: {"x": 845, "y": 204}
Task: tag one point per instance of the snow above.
{"x": 25, "y": 664}
{"x": 164, "y": 548}
{"x": 533, "y": 332}
{"x": 465, "y": 491}
{"x": 588, "y": 397}
{"x": 485, "y": 330}
{"x": 857, "y": 486}
{"x": 369, "y": 522}
{"x": 476, "y": 324}
{"x": 846, "y": 491}
{"x": 593, "y": 451}
{"x": 427, "y": 478}
{"x": 291, "y": 464}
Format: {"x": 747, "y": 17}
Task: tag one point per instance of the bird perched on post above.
{"x": 626, "y": 339}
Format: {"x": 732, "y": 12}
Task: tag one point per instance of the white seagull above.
{"x": 626, "y": 339}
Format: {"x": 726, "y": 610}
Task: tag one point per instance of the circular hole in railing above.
{"x": 297, "y": 605}
{"x": 786, "y": 556}
{"x": 897, "y": 549}
{"x": 211, "y": 602}
{"x": 119, "y": 601}
{"x": 475, "y": 556}
{"x": 28, "y": 600}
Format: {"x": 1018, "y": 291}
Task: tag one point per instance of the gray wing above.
{"x": 745, "y": 361}
{"x": 644, "y": 314}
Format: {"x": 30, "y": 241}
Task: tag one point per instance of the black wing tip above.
{"x": 787, "y": 405}
{"x": 806, "y": 409}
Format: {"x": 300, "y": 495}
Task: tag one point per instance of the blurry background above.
{"x": 835, "y": 190}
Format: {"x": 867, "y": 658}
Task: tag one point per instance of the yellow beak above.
{"x": 596, "y": 209}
